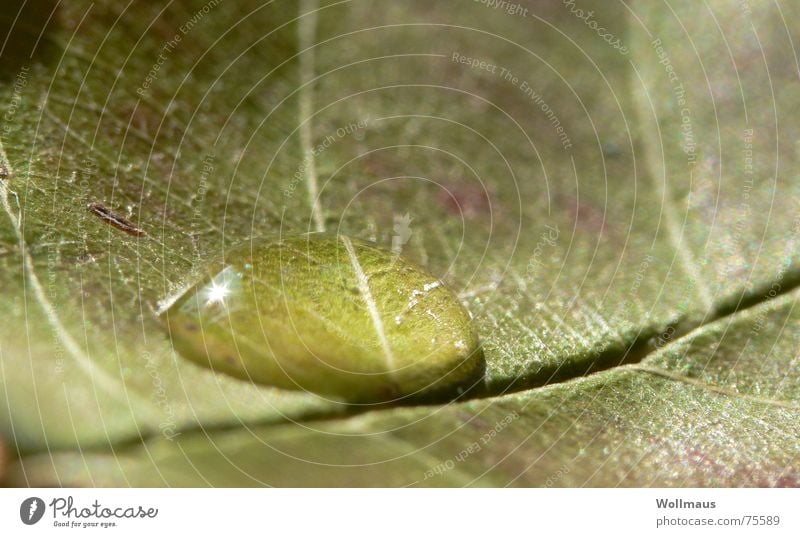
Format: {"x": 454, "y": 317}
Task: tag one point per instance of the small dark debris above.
{"x": 86, "y": 258}
{"x": 3, "y": 172}
{"x": 115, "y": 220}
{"x": 611, "y": 150}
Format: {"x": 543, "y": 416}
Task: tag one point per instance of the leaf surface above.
{"x": 592, "y": 207}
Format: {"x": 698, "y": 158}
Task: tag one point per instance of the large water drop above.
{"x": 328, "y": 314}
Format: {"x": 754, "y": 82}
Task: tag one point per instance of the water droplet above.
{"x": 327, "y": 314}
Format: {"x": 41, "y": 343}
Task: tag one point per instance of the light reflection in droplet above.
{"x": 222, "y": 287}
{"x": 216, "y": 293}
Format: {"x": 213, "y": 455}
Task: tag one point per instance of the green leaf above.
{"x": 680, "y": 418}
{"x": 590, "y": 208}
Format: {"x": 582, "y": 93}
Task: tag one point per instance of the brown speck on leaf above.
{"x": 587, "y": 217}
{"x": 787, "y": 481}
{"x": 115, "y": 220}
{"x": 769, "y": 477}
{"x": 3, "y": 172}
{"x": 4, "y": 456}
{"x": 469, "y": 200}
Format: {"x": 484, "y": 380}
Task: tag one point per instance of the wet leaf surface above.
{"x": 656, "y": 423}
